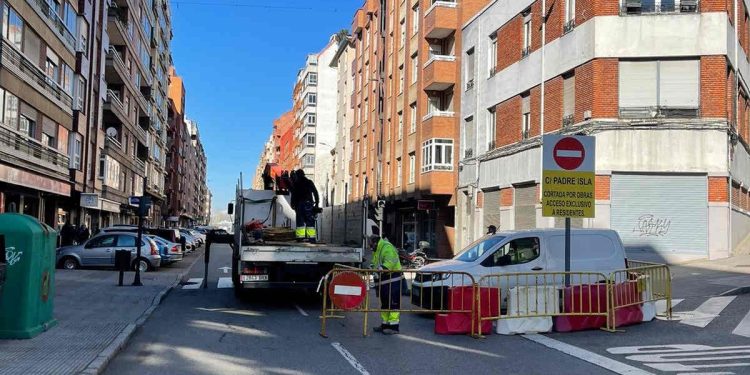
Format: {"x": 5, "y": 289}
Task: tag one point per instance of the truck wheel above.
{"x": 69, "y": 263}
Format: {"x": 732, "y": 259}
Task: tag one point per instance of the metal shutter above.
{"x": 637, "y": 84}
{"x": 569, "y": 94}
{"x": 665, "y": 213}
{"x": 525, "y": 206}
{"x": 679, "y": 83}
{"x": 491, "y": 208}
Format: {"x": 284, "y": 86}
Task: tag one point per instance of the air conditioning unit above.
{"x": 689, "y": 6}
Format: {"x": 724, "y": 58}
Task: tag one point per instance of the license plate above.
{"x": 245, "y": 278}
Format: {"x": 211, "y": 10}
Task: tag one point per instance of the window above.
{"x": 102, "y": 241}
{"x": 470, "y": 68}
{"x": 112, "y": 176}
{"x": 659, "y": 6}
{"x": 311, "y": 119}
{"x": 399, "y": 172}
{"x": 49, "y": 132}
{"x": 312, "y": 79}
{"x": 491, "y": 128}
{"x": 414, "y": 68}
{"x": 312, "y": 99}
{"x": 12, "y": 26}
{"x": 415, "y": 18}
{"x": 80, "y": 93}
{"x": 102, "y": 165}
{"x": 413, "y": 118}
{"x": 492, "y": 54}
{"x": 401, "y": 79}
{"x": 478, "y": 248}
{"x": 412, "y": 166}
{"x": 437, "y": 155}
{"x": 67, "y": 79}
{"x": 11, "y": 110}
{"x": 668, "y": 88}
{"x": 310, "y": 139}
{"x": 52, "y": 67}
{"x": 569, "y": 98}
{"x": 71, "y": 18}
{"x": 526, "y": 33}
{"x": 27, "y": 126}
{"x": 126, "y": 240}
{"x": 518, "y": 251}
{"x": 526, "y": 115}
{"x": 309, "y": 160}
{"x": 403, "y": 31}
{"x": 400, "y": 124}
{"x": 83, "y": 32}
{"x": 468, "y": 137}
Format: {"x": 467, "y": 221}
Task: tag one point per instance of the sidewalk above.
{"x": 95, "y": 319}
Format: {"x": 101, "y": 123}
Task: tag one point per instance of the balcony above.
{"x": 117, "y": 27}
{"x": 54, "y": 22}
{"x": 441, "y": 20}
{"x": 114, "y": 105}
{"x": 116, "y": 72}
{"x": 439, "y": 73}
{"x": 30, "y": 73}
{"x": 30, "y": 150}
{"x": 359, "y": 22}
{"x": 439, "y": 124}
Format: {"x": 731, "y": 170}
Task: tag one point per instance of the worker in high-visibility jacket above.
{"x": 387, "y": 284}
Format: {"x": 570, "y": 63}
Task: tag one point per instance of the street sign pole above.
{"x": 567, "y": 251}
{"x": 141, "y": 212}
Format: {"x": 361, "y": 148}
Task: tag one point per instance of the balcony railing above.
{"x": 140, "y": 165}
{"x": 112, "y": 97}
{"x": 42, "y": 7}
{"x": 32, "y": 150}
{"x": 116, "y": 57}
{"x": 35, "y": 74}
{"x": 438, "y": 114}
{"x": 636, "y": 7}
{"x": 434, "y": 58}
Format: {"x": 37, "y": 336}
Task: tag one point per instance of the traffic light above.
{"x": 378, "y": 213}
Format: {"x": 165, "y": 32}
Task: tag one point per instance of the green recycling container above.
{"x": 26, "y": 299}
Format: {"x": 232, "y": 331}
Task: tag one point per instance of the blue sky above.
{"x": 239, "y": 60}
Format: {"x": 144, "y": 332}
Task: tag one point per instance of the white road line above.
{"x": 743, "y": 329}
{"x": 447, "y": 346}
{"x": 303, "y": 312}
{"x": 661, "y": 305}
{"x": 708, "y": 311}
{"x": 225, "y": 282}
{"x": 590, "y": 357}
{"x": 350, "y": 358}
{"x": 194, "y": 283}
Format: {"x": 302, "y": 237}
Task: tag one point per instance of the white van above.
{"x": 527, "y": 251}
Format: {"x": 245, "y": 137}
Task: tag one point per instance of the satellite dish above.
{"x": 112, "y": 132}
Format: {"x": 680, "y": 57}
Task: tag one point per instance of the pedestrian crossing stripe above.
{"x": 197, "y": 283}
{"x": 704, "y": 314}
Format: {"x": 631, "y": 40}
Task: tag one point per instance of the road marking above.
{"x": 225, "y": 269}
{"x": 668, "y": 358}
{"x": 194, "y": 283}
{"x": 590, "y": 357}
{"x": 447, "y": 346}
{"x": 661, "y": 305}
{"x": 350, "y": 358}
{"x": 708, "y": 311}
{"x": 225, "y": 282}
{"x": 303, "y": 312}
{"x": 743, "y": 329}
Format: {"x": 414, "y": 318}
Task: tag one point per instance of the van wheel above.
{"x": 141, "y": 264}
{"x": 69, "y": 263}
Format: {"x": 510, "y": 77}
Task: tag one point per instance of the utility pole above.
{"x": 142, "y": 207}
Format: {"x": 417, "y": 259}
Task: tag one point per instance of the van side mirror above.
{"x": 230, "y": 209}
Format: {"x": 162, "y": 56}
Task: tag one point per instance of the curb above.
{"x": 99, "y": 364}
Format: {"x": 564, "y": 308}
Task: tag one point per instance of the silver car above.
{"x": 99, "y": 251}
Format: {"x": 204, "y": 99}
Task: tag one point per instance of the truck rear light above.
{"x": 249, "y": 270}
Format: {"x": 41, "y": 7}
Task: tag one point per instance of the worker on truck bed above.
{"x": 388, "y": 283}
{"x": 305, "y": 200}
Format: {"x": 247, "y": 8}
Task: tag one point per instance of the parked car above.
{"x": 541, "y": 250}
{"x": 190, "y": 236}
{"x": 99, "y": 251}
{"x": 190, "y": 240}
{"x": 170, "y": 252}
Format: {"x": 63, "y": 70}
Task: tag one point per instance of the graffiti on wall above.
{"x": 649, "y": 225}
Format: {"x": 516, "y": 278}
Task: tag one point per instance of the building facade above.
{"x": 655, "y": 82}
{"x": 315, "y": 109}
{"x": 339, "y": 178}
{"x": 406, "y": 100}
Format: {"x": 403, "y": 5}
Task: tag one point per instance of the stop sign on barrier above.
{"x": 347, "y": 290}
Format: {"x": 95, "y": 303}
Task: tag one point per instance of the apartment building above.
{"x": 283, "y": 138}
{"x": 342, "y": 152}
{"x": 315, "y": 109}
{"x": 196, "y": 168}
{"x": 43, "y": 122}
{"x": 407, "y": 93}
{"x": 267, "y": 155}
{"x": 656, "y": 82}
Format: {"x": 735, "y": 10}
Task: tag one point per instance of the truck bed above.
{"x": 300, "y": 252}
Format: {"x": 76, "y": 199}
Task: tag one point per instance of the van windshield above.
{"x": 478, "y": 248}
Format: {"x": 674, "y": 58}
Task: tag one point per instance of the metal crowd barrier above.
{"x": 640, "y": 283}
{"x": 427, "y": 294}
{"x": 542, "y": 294}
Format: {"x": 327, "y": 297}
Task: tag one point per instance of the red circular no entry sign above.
{"x": 569, "y": 153}
{"x": 347, "y": 290}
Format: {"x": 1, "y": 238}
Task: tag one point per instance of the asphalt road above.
{"x": 209, "y": 331}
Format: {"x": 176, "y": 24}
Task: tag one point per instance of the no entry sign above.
{"x": 568, "y": 176}
{"x": 347, "y": 290}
